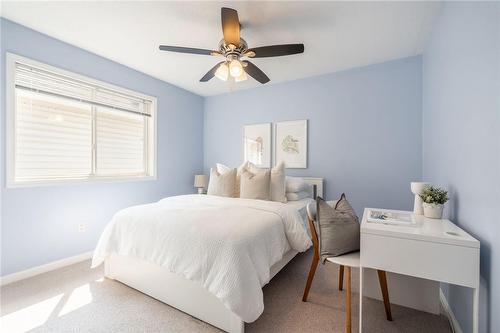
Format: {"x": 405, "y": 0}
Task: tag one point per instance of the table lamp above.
{"x": 417, "y": 188}
{"x": 200, "y": 182}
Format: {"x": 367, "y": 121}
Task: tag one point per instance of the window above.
{"x": 64, "y": 127}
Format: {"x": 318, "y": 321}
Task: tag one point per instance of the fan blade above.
{"x": 277, "y": 50}
{"x": 187, "y": 50}
{"x": 255, "y": 72}
{"x": 230, "y": 26}
{"x": 211, "y": 73}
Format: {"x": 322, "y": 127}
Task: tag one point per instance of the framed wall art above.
{"x": 291, "y": 143}
{"x": 257, "y": 144}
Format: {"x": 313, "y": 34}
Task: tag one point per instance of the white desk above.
{"x": 433, "y": 249}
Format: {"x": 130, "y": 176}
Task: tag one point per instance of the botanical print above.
{"x": 257, "y": 144}
{"x": 291, "y": 143}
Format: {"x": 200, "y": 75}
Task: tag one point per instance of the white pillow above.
{"x": 255, "y": 185}
{"x": 295, "y": 184}
{"x": 222, "y": 184}
{"x": 277, "y": 188}
{"x": 222, "y": 169}
{"x": 295, "y": 196}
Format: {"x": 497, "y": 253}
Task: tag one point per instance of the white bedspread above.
{"x": 228, "y": 245}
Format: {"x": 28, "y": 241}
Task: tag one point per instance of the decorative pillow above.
{"x": 222, "y": 184}
{"x": 221, "y": 168}
{"x": 295, "y": 184}
{"x": 295, "y": 196}
{"x": 255, "y": 185}
{"x": 245, "y": 166}
{"x": 338, "y": 228}
{"x": 277, "y": 188}
{"x": 277, "y": 179}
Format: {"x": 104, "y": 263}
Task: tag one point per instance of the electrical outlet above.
{"x": 82, "y": 227}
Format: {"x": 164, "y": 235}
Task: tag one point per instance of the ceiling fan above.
{"x": 233, "y": 48}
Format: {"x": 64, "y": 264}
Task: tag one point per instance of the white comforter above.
{"x": 228, "y": 245}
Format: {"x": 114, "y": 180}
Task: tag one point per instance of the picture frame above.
{"x": 257, "y": 145}
{"x": 290, "y": 143}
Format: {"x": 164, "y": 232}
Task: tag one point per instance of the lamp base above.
{"x": 201, "y": 190}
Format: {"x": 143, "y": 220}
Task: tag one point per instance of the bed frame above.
{"x": 183, "y": 294}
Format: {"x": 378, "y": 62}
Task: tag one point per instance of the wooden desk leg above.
{"x": 348, "y": 323}
{"x": 360, "y": 299}
{"x": 341, "y": 277}
{"x": 475, "y": 311}
{"x": 382, "y": 279}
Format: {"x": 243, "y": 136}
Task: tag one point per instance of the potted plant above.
{"x": 433, "y": 200}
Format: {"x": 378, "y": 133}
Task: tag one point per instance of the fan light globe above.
{"x": 235, "y": 68}
{"x": 222, "y": 72}
{"x": 242, "y": 77}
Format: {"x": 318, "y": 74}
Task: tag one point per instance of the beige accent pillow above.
{"x": 246, "y": 166}
{"x": 277, "y": 188}
{"x": 222, "y": 184}
{"x": 255, "y": 185}
{"x": 222, "y": 169}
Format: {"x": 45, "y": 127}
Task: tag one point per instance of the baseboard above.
{"x": 455, "y": 326}
{"x": 44, "y": 268}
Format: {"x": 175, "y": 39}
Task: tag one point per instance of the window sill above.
{"x": 78, "y": 181}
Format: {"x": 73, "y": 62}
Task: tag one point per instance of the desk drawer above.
{"x": 435, "y": 261}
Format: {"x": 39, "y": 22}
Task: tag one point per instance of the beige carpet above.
{"x": 78, "y": 299}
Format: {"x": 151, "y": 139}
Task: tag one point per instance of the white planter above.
{"x": 433, "y": 211}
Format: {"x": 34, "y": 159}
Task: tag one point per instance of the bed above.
{"x": 212, "y": 258}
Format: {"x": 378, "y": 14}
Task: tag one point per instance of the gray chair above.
{"x": 345, "y": 262}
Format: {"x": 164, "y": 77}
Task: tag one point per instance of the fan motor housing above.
{"x": 230, "y": 51}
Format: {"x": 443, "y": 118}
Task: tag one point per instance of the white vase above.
{"x": 433, "y": 211}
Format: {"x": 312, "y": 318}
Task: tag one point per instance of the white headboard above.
{"x": 314, "y": 181}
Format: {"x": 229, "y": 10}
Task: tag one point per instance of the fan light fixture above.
{"x": 233, "y": 48}
{"x": 235, "y": 68}
{"x": 222, "y": 72}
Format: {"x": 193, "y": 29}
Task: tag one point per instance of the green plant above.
{"x": 434, "y": 195}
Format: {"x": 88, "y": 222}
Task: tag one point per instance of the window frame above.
{"x": 10, "y": 126}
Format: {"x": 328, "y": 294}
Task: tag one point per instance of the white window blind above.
{"x": 53, "y": 137}
{"x": 120, "y": 142}
{"x": 66, "y": 127}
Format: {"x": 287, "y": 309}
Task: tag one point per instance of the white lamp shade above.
{"x": 200, "y": 181}
{"x": 242, "y": 77}
{"x": 235, "y": 68}
{"x": 222, "y": 73}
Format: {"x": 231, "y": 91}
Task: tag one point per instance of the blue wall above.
{"x": 461, "y": 138}
{"x": 40, "y": 224}
{"x": 365, "y": 129}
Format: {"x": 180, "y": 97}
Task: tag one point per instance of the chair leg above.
{"x": 310, "y": 277}
{"x": 341, "y": 277}
{"x": 382, "y": 278}
{"x": 348, "y": 301}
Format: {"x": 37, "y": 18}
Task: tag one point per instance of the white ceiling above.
{"x": 336, "y": 35}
